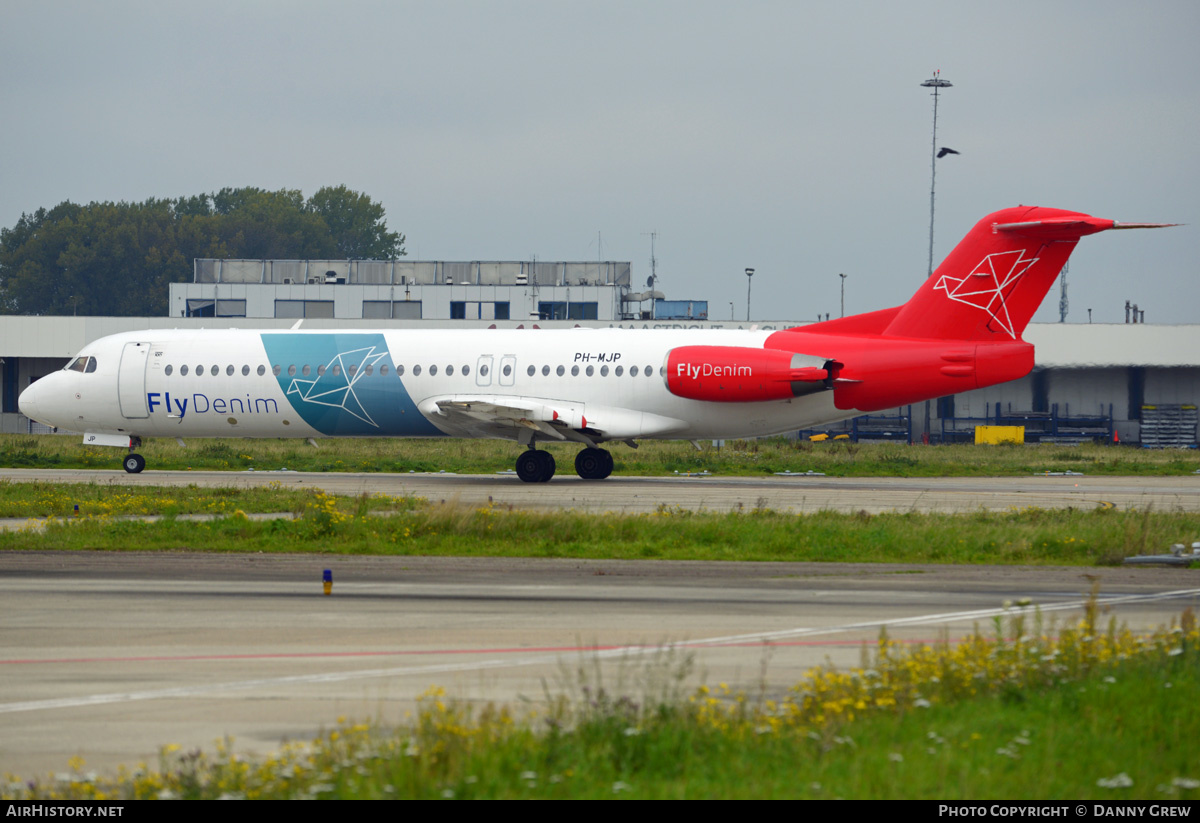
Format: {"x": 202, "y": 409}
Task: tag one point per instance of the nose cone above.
{"x": 33, "y": 402}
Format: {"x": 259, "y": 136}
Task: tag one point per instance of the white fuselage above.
{"x": 241, "y": 383}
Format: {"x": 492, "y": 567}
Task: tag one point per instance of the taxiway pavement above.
{"x": 797, "y": 493}
{"x": 110, "y": 656}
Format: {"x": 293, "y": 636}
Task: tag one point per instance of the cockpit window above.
{"x": 87, "y": 365}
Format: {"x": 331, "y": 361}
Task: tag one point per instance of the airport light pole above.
{"x": 749, "y": 280}
{"x": 843, "y": 294}
{"x": 935, "y": 83}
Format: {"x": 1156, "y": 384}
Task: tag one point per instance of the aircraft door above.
{"x": 483, "y": 370}
{"x": 508, "y": 369}
{"x": 131, "y": 381}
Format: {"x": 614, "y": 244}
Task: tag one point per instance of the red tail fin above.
{"x": 991, "y": 284}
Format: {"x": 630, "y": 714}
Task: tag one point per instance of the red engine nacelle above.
{"x": 739, "y": 374}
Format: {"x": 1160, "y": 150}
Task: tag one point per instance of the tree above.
{"x": 356, "y": 223}
{"x": 119, "y": 258}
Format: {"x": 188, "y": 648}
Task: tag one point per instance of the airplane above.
{"x": 960, "y": 331}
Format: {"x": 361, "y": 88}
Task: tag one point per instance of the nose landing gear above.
{"x": 134, "y": 463}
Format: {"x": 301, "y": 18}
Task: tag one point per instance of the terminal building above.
{"x": 1133, "y": 382}
{"x": 409, "y": 290}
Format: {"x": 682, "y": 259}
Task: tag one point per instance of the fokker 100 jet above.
{"x": 960, "y": 331}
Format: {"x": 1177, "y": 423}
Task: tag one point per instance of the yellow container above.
{"x": 999, "y": 434}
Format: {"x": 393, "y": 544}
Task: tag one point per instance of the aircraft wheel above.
{"x": 529, "y": 466}
{"x": 548, "y": 466}
{"x": 134, "y": 463}
{"x": 535, "y": 466}
{"x": 593, "y": 464}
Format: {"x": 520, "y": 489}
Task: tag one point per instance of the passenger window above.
{"x": 633, "y": 372}
{"x": 262, "y": 370}
{"x": 604, "y": 371}
{"x": 449, "y": 371}
{"x": 416, "y": 371}
{"x": 275, "y": 371}
{"x": 531, "y": 371}
{"x": 199, "y": 371}
{"x": 167, "y": 371}
{"x": 507, "y": 370}
{"x": 306, "y": 370}
{"x": 574, "y": 371}
{"x": 545, "y": 371}
{"x": 215, "y": 370}
{"x": 183, "y": 370}
{"x": 352, "y": 369}
{"x": 246, "y": 371}
{"x": 337, "y": 371}
{"x": 292, "y": 371}
{"x": 432, "y": 371}
{"x": 370, "y": 370}
{"x": 383, "y": 370}
{"x": 400, "y": 371}
{"x": 591, "y": 370}
{"x": 620, "y": 370}
{"x": 649, "y": 369}
{"x": 560, "y": 371}
{"x": 320, "y": 371}
{"x": 466, "y": 370}
{"x": 229, "y": 371}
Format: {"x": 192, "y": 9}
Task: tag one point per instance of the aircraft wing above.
{"x": 528, "y": 418}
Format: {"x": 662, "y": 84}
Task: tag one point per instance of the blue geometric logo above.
{"x": 351, "y": 386}
{"x": 334, "y": 385}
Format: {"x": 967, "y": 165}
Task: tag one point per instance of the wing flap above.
{"x": 549, "y": 418}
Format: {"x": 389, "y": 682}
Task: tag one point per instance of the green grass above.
{"x": 403, "y": 526}
{"x": 45, "y": 499}
{"x": 738, "y": 457}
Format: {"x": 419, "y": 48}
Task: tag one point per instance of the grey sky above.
{"x": 793, "y": 137}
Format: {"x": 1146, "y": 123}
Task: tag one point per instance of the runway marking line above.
{"x": 423, "y": 652}
{"x": 543, "y": 658}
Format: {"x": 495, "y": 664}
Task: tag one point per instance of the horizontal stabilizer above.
{"x": 1070, "y": 228}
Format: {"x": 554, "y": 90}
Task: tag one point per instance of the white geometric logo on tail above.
{"x": 336, "y": 386}
{"x": 988, "y": 285}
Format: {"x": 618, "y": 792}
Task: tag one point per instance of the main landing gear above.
{"x": 538, "y": 466}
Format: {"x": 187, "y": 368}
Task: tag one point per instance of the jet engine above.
{"x": 740, "y": 374}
